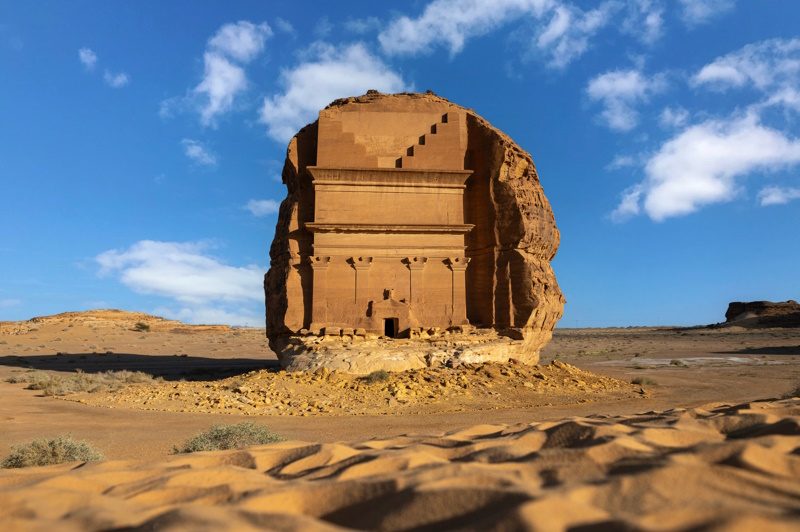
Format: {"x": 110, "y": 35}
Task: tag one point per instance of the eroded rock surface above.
{"x": 763, "y": 314}
{"x": 406, "y": 212}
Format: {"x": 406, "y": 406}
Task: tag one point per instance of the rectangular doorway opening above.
{"x": 390, "y": 327}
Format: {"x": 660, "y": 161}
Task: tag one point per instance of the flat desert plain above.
{"x": 634, "y": 429}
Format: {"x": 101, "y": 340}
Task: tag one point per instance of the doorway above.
{"x": 390, "y": 327}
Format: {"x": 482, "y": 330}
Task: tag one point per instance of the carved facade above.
{"x": 388, "y": 232}
{"x": 408, "y": 211}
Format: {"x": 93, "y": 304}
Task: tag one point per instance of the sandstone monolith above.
{"x": 413, "y": 233}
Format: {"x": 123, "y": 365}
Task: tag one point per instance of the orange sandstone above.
{"x": 409, "y": 216}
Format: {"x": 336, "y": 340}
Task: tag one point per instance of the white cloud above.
{"x": 329, "y": 73}
{"x": 452, "y": 22}
{"x": 116, "y": 80}
{"x": 284, "y": 25}
{"x": 221, "y": 83}
{"x": 242, "y": 41}
{"x": 629, "y": 205}
{"x": 695, "y": 12}
{"x": 644, "y": 20}
{"x": 701, "y": 165}
{"x": 204, "y": 289}
{"x": 263, "y": 207}
{"x": 564, "y": 37}
{"x": 567, "y": 36}
{"x": 621, "y": 161}
{"x": 183, "y": 272}
{"x": 619, "y": 91}
{"x": 87, "y": 57}
{"x": 198, "y": 153}
{"x": 235, "y": 315}
{"x": 323, "y": 28}
{"x": 673, "y": 117}
{"x": 224, "y": 77}
{"x": 777, "y": 195}
{"x": 9, "y": 302}
{"x": 362, "y": 25}
{"x": 766, "y": 65}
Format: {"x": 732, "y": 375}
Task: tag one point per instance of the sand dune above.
{"x": 717, "y": 467}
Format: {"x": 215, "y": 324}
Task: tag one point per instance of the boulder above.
{"x": 510, "y": 235}
{"x": 763, "y": 314}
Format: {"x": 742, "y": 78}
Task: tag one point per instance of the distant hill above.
{"x": 111, "y": 318}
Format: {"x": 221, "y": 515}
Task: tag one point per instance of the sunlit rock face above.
{"x": 408, "y": 219}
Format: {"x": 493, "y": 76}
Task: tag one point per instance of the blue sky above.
{"x": 141, "y": 143}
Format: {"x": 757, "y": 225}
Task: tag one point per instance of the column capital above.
{"x": 318, "y": 262}
{"x": 360, "y": 263}
{"x": 415, "y": 263}
{"x": 458, "y": 263}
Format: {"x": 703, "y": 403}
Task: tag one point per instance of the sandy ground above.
{"x": 219, "y": 375}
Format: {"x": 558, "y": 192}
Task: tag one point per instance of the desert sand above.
{"x": 701, "y": 442}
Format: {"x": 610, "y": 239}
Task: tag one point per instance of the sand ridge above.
{"x": 717, "y": 467}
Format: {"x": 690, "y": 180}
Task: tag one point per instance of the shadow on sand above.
{"x": 169, "y": 367}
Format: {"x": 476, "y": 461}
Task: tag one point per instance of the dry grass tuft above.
{"x": 109, "y": 381}
{"x": 224, "y": 437}
{"x": 44, "y": 452}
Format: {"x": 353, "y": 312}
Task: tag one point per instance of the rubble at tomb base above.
{"x": 360, "y": 353}
{"x": 407, "y": 214}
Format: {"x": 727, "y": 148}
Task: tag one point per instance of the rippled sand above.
{"x": 716, "y": 467}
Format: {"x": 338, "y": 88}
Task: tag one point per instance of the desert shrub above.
{"x": 52, "y": 384}
{"x": 676, "y": 362}
{"x": 143, "y": 327}
{"x": 377, "y": 376}
{"x": 644, "y": 380}
{"x": 45, "y": 451}
{"x": 224, "y": 437}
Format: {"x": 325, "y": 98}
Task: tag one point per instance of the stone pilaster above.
{"x": 319, "y": 306}
{"x": 416, "y": 265}
{"x": 458, "y": 265}
{"x": 362, "y": 266}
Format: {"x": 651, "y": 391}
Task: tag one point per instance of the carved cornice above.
{"x": 389, "y": 177}
{"x": 315, "y": 227}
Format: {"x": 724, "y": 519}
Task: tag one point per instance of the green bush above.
{"x": 377, "y": 376}
{"x": 48, "y": 452}
{"x": 52, "y": 384}
{"x": 644, "y": 380}
{"x": 224, "y": 437}
{"x": 141, "y": 327}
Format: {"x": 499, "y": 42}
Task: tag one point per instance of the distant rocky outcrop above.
{"x": 763, "y": 314}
